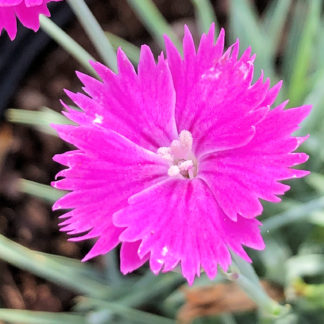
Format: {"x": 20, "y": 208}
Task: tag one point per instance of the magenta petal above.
{"x": 102, "y": 181}
{"x": 141, "y": 107}
{"x": 240, "y": 177}
{"x": 172, "y": 161}
{"x": 27, "y": 11}
{"x": 129, "y": 259}
{"x": 213, "y": 93}
{"x": 193, "y": 242}
{"x": 10, "y": 3}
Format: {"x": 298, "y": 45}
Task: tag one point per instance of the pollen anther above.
{"x": 180, "y": 156}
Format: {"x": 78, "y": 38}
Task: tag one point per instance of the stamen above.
{"x": 173, "y": 171}
{"x": 181, "y": 148}
{"x": 180, "y": 156}
{"x": 186, "y": 165}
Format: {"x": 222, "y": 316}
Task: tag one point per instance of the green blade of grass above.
{"x": 274, "y": 21}
{"x": 132, "y": 51}
{"x": 245, "y": 25}
{"x": 205, "y": 15}
{"x": 301, "y": 58}
{"x": 40, "y": 190}
{"x": 314, "y": 121}
{"x": 94, "y": 32}
{"x": 316, "y": 180}
{"x": 305, "y": 265}
{"x": 294, "y": 214}
{"x": 68, "y": 272}
{"x": 296, "y": 26}
{"x": 153, "y": 20}
{"x": 150, "y": 286}
{"x": 68, "y": 43}
{"x": 34, "y": 317}
{"x": 40, "y": 119}
{"x": 125, "y": 312}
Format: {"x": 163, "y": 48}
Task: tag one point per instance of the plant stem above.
{"x": 94, "y": 32}
{"x": 68, "y": 43}
{"x": 244, "y": 275}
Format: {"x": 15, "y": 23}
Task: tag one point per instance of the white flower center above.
{"x": 180, "y": 156}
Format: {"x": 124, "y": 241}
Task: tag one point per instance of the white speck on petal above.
{"x": 165, "y": 250}
{"x": 159, "y": 261}
{"x": 98, "y": 119}
{"x": 245, "y": 70}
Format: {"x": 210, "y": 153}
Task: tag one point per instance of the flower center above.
{"x": 180, "y": 156}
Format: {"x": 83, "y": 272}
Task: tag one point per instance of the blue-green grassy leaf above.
{"x": 132, "y": 51}
{"x": 301, "y": 53}
{"x": 274, "y": 21}
{"x": 274, "y": 256}
{"x": 130, "y": 314}
{"x": 39, "y": 119}
{"x": 94, "y": 32}
{"x": 34, "y": 317}
{"x": 68, "y": 272}
{"x": 149, "y": 287}
{"x": 298, "y": 213}
{"x": 245, "y": 25}
{"x": 304, "y": 265}
{"x": 67, "y": 43}
{"x": 316, "y": 180}
{"x": 205, "y": 15}
{"x": 155, "y": 23}
{"x": 39, "y": 190}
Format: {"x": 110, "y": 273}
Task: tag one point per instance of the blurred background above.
{"x": 43, "y": 273}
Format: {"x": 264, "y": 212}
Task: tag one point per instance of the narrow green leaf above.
{"x": 227, "y": 318}
{"x": 246, "y": 26}
{"x": 40, "y": 119}
{"x": 302, "y": 57}
{"x": 304, "y": 265}
{"x": 274, "y": 256}
{"x": 40, "y": 190}
{"x": 125, "y": 312}
{"x": 274, "y": 21}
{"x": 205, "y": 15}
{"x": 153, "y": 20}
{"x": 296, "y": 25}
{"x": 60, "y": 270}
{"x": 132, "y": 51}
{"x": 150, "y": 286}
{"x": 67, "y": 43}
{"x": 94, "y": 32}
{"x": 316, "y": 180}
{"x": 246, "y": 269}
{"x": 314, "y": 121}
{"x": 34, "y": 317}
{"x": 297, "y": 213}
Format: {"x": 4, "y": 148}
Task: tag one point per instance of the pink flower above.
{"x": 172, "y": 161}
{"x": 27, "y": 11}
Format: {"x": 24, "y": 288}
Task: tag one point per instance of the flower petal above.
{"x": 27, "y": 11}
{"x": 140, "y": 107}
{"x": 179, "y": 221}
{"x": 238, "y": 178}
{"x": 129, "y": 259}
{"x": 105, "y": 171}
{"x": 214, "y": 93}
